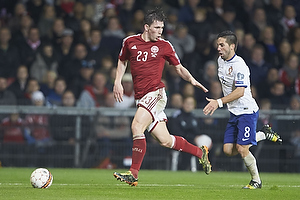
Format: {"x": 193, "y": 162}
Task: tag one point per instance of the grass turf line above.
{"x": 89, "y": 184}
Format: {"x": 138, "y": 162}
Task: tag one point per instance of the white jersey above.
{"x": 232, "y": 74}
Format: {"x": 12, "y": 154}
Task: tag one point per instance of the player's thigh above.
{"x": 162, "y": 135}
{"x": 141, "y": 121}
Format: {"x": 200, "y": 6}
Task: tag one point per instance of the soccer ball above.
{"x": 41, "y": 178}
{"x": 203, "y": 140}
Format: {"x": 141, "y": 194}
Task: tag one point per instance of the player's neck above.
{"x": 145, "y": 36}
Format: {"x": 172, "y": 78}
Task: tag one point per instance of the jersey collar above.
{"x": 231, "y": 58}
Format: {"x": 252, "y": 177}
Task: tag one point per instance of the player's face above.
{"x": 225, "y": 50}
{"x": 155, "y": 30}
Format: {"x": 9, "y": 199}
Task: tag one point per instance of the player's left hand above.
{"x": 198, "y": 85}
{"x": 210, "y": 107}
{"x": 118, "y": 92}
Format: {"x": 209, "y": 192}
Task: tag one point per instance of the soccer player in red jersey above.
{"x": 147, "y": 53}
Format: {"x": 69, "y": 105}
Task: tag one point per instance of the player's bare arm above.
{"x": 213, "y": 103}
{"x": 118, "y": 88}
{"x": 186, "y": 75}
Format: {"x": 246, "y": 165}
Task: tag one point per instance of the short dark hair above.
{"x": 154, "y": 15}
{"x": 230, "y": 37}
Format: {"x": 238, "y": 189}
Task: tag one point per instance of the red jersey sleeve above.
{"x": 170, "y": 55}
{"x": 124, "y": 53}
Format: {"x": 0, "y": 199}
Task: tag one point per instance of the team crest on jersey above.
{"x": 230, "y": 70}
{"x": 154, "y": 50}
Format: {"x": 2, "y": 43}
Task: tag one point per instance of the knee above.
{"x": 136, "y": 128}
{"x": 242, "y": 150}
{"x": 167, "y": 144}
{"x": 229, "y": 150}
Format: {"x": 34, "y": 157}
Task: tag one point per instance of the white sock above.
{"x": 260, "y": 136}
{"x": 250, "y": 163}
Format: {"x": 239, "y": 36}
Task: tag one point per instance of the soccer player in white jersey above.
{"x": 240, "y": 133}
{"x": 147, "y": 54}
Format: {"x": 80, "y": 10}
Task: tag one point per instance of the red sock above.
{"x": 182, "y": 145}
{"x": 138, "y": 153}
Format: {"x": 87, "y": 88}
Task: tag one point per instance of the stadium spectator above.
{"x": 45, "y": 23}
{"x": 63, "y": 127}
{"x": 216, "y": 9}
{"x": 32, "y": 86}
{"x": 278, "y": 98}
{"x": 21, "y": 34}
{"x": 110, "y": 12}
{"x": 289, "y": 73}
{"x": 126, "y": 12}
{"x": 94, "y": 95}
{"x": 174, "y": 80}
{"x": 294, "y": 103}
{"x": 94, "y": 11}
{"x": 47, "y": 85}
{"x": 176, "y": 101}
{"x": 246, "y": 49}
{"x": 210, "y": 73}
{"x": 30, "y": 47}
{"x": 185, "y": 124}
{"x": 128, "y": 97}
{"x": 54, "y": 98}
{"x": 69, "y": 67}
{"x": 85, "y": 75}
{"x": 258, "y": 23}
{"x": 11, "y": 129}
{"x": 267, "y": 39}
{"x": 183, "y": 42}
{"x": 46, "y": 60}
{"x": 7, "y": 97}
{"x": 227, "y": 21}
{"x": 72, "y": 20}
{"x": 35, "y": 9}
{"x": 37, "y": 125}
{"x": 65, "y": 50}
{"x": 136, "y": 23}
{"x": 110, "y": 131}
{"x": 14, "y": 23}
{"x": 263, "y": 89}
{"x": 186, "y": 12}
{"x": 172, "y": 22}
{"x": 18, "y": 86}
{"x": 288, "y": 21}
{"x": 284, "y": 51}
{"x": 9, "y": 55}
{"x": 96, "y": 50}
{"x": 84, "y": 33}
{"x": 57, "y": 32}
{"x": 201, "y": 29}
{"x": 257, "y": 65}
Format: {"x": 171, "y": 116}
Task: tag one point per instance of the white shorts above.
{"x": 155, "y": 103}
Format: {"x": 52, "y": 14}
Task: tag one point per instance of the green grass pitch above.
{"x": 99, "y": 184}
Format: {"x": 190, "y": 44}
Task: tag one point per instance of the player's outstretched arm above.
{"x": 118, "y": 88}
{"x": 186, "y": 75}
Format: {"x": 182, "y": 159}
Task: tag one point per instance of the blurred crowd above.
{"x": 64, "y": 53}
{"x": 71, "y": 46}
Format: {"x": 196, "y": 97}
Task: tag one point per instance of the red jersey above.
{"x": 147, "y": 60}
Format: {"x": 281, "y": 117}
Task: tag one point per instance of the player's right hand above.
{"x": 118, "y": 92}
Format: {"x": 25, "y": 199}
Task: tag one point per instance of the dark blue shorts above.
{"x": 241, "y": 129}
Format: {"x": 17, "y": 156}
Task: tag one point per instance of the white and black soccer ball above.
{"x": 41, "y": 178}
